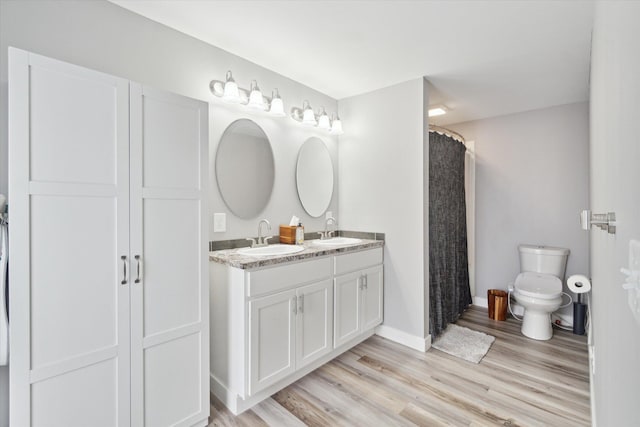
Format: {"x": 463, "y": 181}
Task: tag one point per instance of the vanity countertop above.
{"x": 232, "y": 258}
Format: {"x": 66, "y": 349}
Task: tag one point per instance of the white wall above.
{"x": 105, "y": 37}
{"x": 382, "y": 189}
{"x": 532, "y": 181}
{"x": 615, "y": 175}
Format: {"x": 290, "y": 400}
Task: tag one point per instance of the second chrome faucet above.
{"x": 329, "y": 234}
{"x": 262, "y": 241}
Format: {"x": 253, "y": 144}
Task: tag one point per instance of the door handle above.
{"x": 605, "y": 221}
{"x": 301, "y": 308}
{"x": 124, "y": 269}
{"x": 365, "y": 281}
{"x": 295, "y": 305}
{"x": 138, "y": 269}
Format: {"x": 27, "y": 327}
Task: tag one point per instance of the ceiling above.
{"x": 482, "y": 58}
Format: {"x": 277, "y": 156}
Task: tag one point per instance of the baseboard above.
{"x": 481, "y": 302}
{"x": 401, "y": 337}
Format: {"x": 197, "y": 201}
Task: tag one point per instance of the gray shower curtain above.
{"x": 449, "y": 293}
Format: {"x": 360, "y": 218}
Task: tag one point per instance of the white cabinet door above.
{"x": 68, "y": 189}
{"x": 347, "y": 308}
{"x": 314, "y": 329}
{"x": 169, "y": 292}
{"x": 271, "y": 339}
{"x": 372, "y": 298}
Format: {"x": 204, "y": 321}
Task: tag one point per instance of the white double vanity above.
{"x": 275, "y": 319}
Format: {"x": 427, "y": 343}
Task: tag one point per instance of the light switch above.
{"x": 219, "y": 222}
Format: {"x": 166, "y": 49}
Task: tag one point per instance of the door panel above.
{"x": 171, "y": 264}
{"x": 74, "y": 293}
{"x": 372, "y": 299}
{"x": 347, "y": 308}
{"x": 172, "y": 381}
{"x": 70, "y": 400}
{"x": 73, "y": 124}
{"x": 314, "y": 332}
{"x": 69, "y": 184}
{"x": 271, "y": 336}
{"x": 171, "y": 152}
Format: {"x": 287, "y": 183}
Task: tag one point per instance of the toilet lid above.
{"x": 538, "y": 285}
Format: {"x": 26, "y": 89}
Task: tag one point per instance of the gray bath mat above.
{"x": 464, "y": 343}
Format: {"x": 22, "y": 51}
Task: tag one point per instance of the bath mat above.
{"x": 464, "y": 343}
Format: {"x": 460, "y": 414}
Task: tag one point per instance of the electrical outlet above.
{"x": 219, "y": 222}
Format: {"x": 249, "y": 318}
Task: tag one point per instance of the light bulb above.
{"x": 308, "y": 116}
{"x": 323, "y": 121}
{"x": 231, "y": 93}
{"x": 255, "y": 97}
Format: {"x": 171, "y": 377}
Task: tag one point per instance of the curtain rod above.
{"x": 447, "y": 132}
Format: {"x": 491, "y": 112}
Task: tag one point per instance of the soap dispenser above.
{"x": 299, "y": 234}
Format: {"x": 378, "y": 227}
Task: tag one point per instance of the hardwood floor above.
{"x": 520, "y": 382}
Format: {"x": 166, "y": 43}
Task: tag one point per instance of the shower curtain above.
{"x": 449, "y": 293}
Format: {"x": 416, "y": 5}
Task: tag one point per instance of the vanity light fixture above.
{"x": 253, "y": 99}
{"x": 308, "y": 117}
{"x": 437, "y": 110}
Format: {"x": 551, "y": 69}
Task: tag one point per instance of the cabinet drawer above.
{"x": 357, "y": 260}
{"x": 281, "y": 277}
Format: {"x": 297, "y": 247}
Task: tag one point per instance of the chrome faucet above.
{"x": 262, "y": 241}
{"x": 328, "y": 234}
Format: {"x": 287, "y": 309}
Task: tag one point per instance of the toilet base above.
{"x": 537, "y": 325}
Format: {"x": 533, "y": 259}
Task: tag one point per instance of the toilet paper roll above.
{"x": 579, "y": 284}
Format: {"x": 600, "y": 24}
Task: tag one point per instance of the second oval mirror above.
{"x": 314, "y": 176}
{"x": 245, "y": 168}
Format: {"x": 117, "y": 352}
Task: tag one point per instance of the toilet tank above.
{"x": 543, "y": 259}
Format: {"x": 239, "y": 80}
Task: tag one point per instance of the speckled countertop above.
{"x": 232, "y": 258}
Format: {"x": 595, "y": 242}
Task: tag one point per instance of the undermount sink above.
{"x": 271, "y": 250}
{"x": 334, "y": 241}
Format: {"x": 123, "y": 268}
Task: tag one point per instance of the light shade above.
{"x": 277, "y": 106}
{"x": 308, "y": 116}
{"x": 231, "y": 93}
{"x": 437, "y": 110}
{"x": 323, "y": 120}
{"x": 336, "y": 127}
{"x": 255, "y": 97}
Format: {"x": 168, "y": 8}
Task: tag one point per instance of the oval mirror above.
{"x": 314, "y": 176}
{"x": 245, "y": 168}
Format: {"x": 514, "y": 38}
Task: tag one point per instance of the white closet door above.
{"x": 68, "y": 189}
{"x": 169, "y": 239}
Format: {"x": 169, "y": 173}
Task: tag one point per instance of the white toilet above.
{"x": 538, "y": 288}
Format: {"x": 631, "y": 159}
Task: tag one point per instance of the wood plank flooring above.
{"x": 520, "y": 382}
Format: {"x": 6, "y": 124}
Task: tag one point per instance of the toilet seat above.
{"x": 538, "y": 285}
